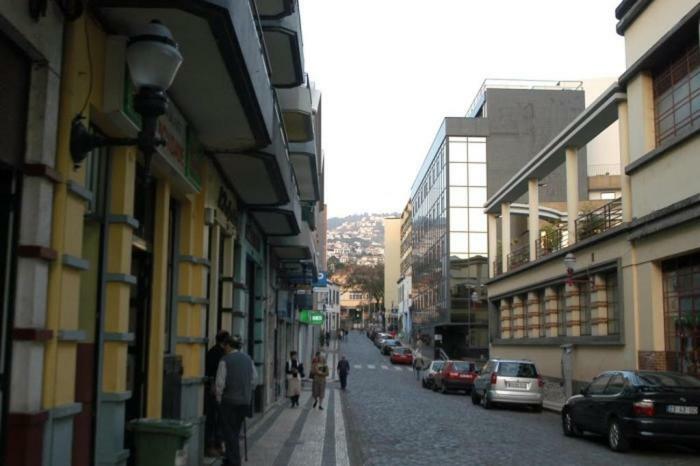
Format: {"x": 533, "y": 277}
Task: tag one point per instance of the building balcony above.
{"x": 518, "y": 257}
{"x": 306, "y": 171}
{"x": 223, "y": 87}
{"x": 284, "y": 46}
{"x": 297, "y": 113}
{"x": 599, "y": 220}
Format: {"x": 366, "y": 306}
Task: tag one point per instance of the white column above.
{"x": 625, "y": 184}
{"x": 493, "y": 242}
{"x": 572, "y": 191}
{"x": 533, "y": 218}
{"x": 505, "y": 235}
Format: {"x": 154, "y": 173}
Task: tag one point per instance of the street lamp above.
{"x": 153, "y": 58}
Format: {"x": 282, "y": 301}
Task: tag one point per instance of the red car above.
{"x": 401, "y": 355}
{"x": 455, "y": 375}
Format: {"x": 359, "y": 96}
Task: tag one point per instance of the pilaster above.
{"x": 519, "y": 326}
{"x": 573, "y": 311}
{"x": 552, "y": 312}
{"x": 599, "y": 306}
{"x": 506, "y": 322}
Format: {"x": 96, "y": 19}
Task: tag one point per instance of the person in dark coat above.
{"x": 212, "y": 428}
{"x": 343, "y": 370}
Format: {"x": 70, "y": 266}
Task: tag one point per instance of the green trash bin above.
{"x": 160, "y": 442}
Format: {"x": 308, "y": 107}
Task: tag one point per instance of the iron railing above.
{"x": 552, "y": 241}
{"x": 518, "y": 257}
{"x": 497, "y": 267}
{"x": 599, "y": 220}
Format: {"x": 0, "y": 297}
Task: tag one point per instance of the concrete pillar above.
{"x": 571, "y": 191}
{"x": 533, "y": 315}
{"x": 625, "y": 180}
{"x": 159, "y": 300}
{"x": 550, "y": 296}
{"x": 518, "y": 326}
{"x": 533, "y": 219}
{"x": 599, "y": 306}
{"x": 573, "y": 311}
{"x": 505, "y": 236}
{"x": 493, "y": 242}
{"x": 506, "y": 322}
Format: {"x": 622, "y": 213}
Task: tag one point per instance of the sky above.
{"x": 391, "y": 70}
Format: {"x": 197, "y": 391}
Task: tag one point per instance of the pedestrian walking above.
{"x": 235, "y": 381}
{"x": 343, "y": 371}
{"x": 418, "y": 364}
{"x": 212, "y": 428}
{"x": 319, "y": 372}
{"x": 294, "y": 387}
{"x": 328, "y": 338}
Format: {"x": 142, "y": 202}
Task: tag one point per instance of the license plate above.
{"x": 674, "y": 409}
{"x": 521, "y": 385}
{"x": 463, "y": 376}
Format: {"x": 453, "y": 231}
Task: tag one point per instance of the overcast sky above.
{"x": 390, "y": 70}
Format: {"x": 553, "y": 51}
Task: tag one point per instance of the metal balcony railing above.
{"x": 518, "y": 257}
{"x": 599, "y": 220}
{"x": 552, "y": 240}
{"x": 497, "y": 267}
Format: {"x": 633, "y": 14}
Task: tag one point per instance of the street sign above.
{"x": 311, "y": 317}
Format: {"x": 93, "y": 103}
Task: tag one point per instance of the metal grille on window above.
{"x": 677, "y": 96}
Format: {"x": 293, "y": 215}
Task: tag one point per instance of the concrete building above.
{"x": 392, "y": 266}
{"x": 469, "y": 159}
{"x": 625, "y": 298}
{"x": 118, "y": 270}
{"x": 404, "y": 283}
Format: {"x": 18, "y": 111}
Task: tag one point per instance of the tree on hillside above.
{"x": 368, "y": 279}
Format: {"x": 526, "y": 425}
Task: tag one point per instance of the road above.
{"x": 391, "y": 420}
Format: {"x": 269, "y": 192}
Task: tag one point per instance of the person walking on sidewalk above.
{"x": 294, "y": 387}
{"x": 235, "y": 381}
{"x": 343, "y": 371}
{"x": 212, "y": 428}
{"x": 418, "y": 364}
{"x": 319, "y": 372}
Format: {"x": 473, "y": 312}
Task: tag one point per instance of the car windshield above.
{"x": 668, "y": 380}
{"x": 463, "y": 366}
{"x": 437, "y": 365}
{"x": 517, "y": 369}
{"x": 402, "y": 351}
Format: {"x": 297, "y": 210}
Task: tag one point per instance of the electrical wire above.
{"x": 89, "y": 57}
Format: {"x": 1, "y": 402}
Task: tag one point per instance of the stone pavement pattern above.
{"x": 393, "y": 421}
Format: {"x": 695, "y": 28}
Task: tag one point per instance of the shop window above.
{"x": 542, "y": 304}
{"x": 561, "y": 311}
{"x": 681, "y": 285}
{"x": 612, "y": 296}
{"x": 677, "y": 96}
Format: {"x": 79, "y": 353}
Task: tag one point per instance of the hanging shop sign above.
{"x": 311, "y": 317}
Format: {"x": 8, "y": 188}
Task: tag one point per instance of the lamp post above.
{"x": 154, "y": 59}
{"x": 569, "y": 263}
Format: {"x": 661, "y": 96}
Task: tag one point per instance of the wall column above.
{"x": 573, "y": 311}
{"x": 505, "y": 236}
{"x": 506, "y": 322}
{"x": 493, "y": 242}
{"x": 551, "y": 309}
{"x": 519, "y": 326}
{"x": 625, "y": 181}
{"x": 599, "y": 306}
{"x": 159, "y": 300}
{"x": 533, "y": 219}
{"x": 571, "y": 191}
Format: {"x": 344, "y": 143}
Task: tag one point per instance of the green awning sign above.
{"x": 311, "y": 317}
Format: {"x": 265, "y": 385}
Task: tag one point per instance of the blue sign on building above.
{"x": 321, "y": 279}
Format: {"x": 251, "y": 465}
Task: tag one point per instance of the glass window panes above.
{"x": 477, "y": 174}
{"x": 458, "y": 174}
{"x": 458, "y": 197}
{"x": 458, "y": 151}
{"x": 477, "y": 220}
{"x": 477, "y": 197}
{"x": 478, "y": 243}
{"x": 459, "y": 242}
{"x": 477, "y": 152}
{"x": 458, "y": 219}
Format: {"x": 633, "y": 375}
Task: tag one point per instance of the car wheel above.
{"x": 485, "y": 402}
{"x": 434, "y": 387}
{"x": 475, "y": 398}
{"x": 569, "y": 426}
{"x": 616, "y": 439}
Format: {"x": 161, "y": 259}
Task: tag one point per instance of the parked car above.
{"x": 388, "y": 345}
{"x": 401, "y": 355}
{"x": 429, "y": 377}
{"x": 627, "y": 405}
{"x": 379, "y": 339}
{"x": 509, "y": 382}
{"x": 455, "y": 376}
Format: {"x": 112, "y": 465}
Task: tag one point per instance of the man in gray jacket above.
{"x": 235, "y": 381}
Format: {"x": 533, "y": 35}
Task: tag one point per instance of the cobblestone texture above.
{"x": 392, "y": 420}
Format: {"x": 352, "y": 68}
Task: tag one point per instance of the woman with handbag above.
{"x": 319, "y": 372}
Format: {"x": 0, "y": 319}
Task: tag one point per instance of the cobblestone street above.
{"x": 391, "y": 420}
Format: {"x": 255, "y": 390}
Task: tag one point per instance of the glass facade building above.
{"x": 450, "y": 244}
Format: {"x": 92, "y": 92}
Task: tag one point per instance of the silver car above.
{"x": 429, "y": 377}
{"x": 509, "y": 381}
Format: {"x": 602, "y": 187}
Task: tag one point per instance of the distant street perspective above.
{"x": 324, "y": 233}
